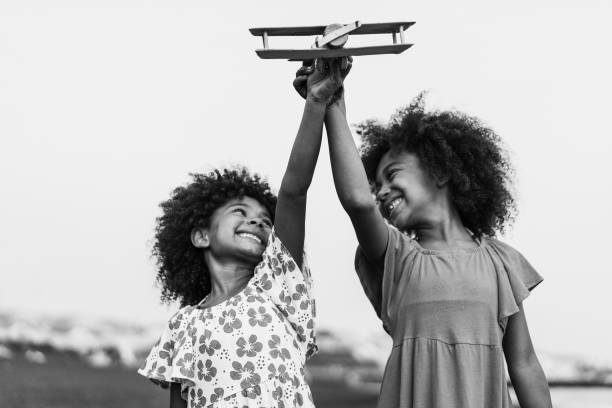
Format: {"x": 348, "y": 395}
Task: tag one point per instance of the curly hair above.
{"x": 451, "y": 146}
{"x": 182, "y": 273}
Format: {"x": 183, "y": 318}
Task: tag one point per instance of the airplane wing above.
{"x": 312, "y": 53}
{"x": 376, "y": 28}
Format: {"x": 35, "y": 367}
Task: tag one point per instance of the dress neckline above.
{"x": 478, "y": 241}
{"x": 201, "y": 306}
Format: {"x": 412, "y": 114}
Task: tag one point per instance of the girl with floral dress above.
{"x": 449, "y": 293}
{"x": 233, "y": 256}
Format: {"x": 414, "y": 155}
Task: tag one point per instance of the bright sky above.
{"x": 105, "y": 106}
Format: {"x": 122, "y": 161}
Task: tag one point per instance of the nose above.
{"x": 256, "y": 221}
{"x": 382, "y": 193}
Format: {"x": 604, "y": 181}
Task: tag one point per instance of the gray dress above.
{"x": 446, "y": 312}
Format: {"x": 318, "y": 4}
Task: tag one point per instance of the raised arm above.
{"x": 352, "y": 186}
{"x": 319, "y": 86}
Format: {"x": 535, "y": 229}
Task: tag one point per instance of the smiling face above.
{"x": 404, "y": 190}
{"x": 238, "y": 230}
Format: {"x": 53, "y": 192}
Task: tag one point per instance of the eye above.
{"x": 239, "y": 210}
{"x": 392, "y": 174}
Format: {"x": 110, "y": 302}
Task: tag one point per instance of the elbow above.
{"x": 292, "y": 194}
{"x": 525, "y": 365}
{"x": 358, "y": 204}
{"x": 293, "y": 190}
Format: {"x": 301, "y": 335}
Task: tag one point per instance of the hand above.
{"x": 322, "y": 82}
{"x": 346, "y": 63}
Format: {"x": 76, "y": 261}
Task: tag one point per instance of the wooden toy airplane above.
{"x": 332, "y": 40}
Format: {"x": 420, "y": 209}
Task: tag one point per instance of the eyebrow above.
{"x": 393, "y": 163}
{"x": 386, "y": 168}
{"x": 240, "y": 204}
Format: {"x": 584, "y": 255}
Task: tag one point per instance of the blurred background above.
{"x": 106, "y": 106}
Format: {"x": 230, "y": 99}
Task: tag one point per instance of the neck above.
{"x": 227, "y": 277}
{"x": 444, "y": 229}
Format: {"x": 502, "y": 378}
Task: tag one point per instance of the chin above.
{"x": 400, "y": 223}
{"x": 253, "y": 252}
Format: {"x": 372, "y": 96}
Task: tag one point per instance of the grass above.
{"x": 66, "y": 382}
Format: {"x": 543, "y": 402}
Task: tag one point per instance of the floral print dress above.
{"x": 248, "y": 351}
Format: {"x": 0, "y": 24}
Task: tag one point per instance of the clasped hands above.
{"x": 321, "y": 80}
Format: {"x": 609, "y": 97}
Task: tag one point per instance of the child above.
{"x": 233, "y": 257}
{"x": 448, "y": 293}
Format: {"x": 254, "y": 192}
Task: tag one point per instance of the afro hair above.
{"x": 451, "y": 146}
{"x": 182, "y": 273}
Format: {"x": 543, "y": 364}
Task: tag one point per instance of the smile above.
{"x": 250, "y": 236}
{"x": 393, "y": 204}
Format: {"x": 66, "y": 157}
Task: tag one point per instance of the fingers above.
{"x": 322, "y": 65}
{"x": 301, "y": 78}
{"x": 304, "y": 70}
{"x": 347, "y": 64}
{"x": 336, "y": 71}
{"x": 327, "y": 66}
{"x": 299, "y": 83}
{"x": 323, "y": 76}
{"x": 308, "y": 63}
{"x": 339, "y": 68}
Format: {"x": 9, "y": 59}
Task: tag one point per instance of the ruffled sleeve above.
{"x": 290, "y": 288}
{"x": 171, "y": 359}
{"x": 381, "y": 285}
{"x": 515, "y": 278}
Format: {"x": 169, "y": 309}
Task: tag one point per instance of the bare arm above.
{"x": 524, "y": 368}
{"x": 320, "y": 86}
{"x": 176, "y": 401}
{"x": 352, "y": 186}
{"x": 290, "y": 215}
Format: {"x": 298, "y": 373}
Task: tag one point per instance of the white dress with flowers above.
{"x": 248, "y": 351}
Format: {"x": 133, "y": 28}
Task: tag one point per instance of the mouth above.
{"x": 391, "y": 206}
{"x": 250, "y": 236}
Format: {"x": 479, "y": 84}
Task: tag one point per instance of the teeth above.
{"x": 393, "y": 204}
{"x": 250, "y": 236}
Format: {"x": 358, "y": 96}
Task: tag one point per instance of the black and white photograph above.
{"x": 305, "y": 204}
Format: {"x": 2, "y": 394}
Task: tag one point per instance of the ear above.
{"x": 199, "y": 238}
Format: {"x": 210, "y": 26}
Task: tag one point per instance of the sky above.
{"x": 106, "y": 106}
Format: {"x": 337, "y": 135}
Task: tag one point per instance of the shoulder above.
{"x": 278, "y": 270}
{"x": 492, "y": 241}
{"x": 503, "y": 250}
{"x": 397, "y": 239}
{"x": 399, "y": 246}
{"x": 516, "y": 266}
{"x": 401, "y": 250}
{"x": 275, "y": 243}
{"x": 276, "y": 257}
{"x": 180, "y": 317}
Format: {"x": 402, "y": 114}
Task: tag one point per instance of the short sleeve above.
{"x": 290, "y": 288}
{"x": 515, "y": 276}
{"x": 381, "y": 285}
{"x": 171, "y": 359}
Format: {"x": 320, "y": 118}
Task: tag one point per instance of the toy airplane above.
{"x": 331, "y": 42}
